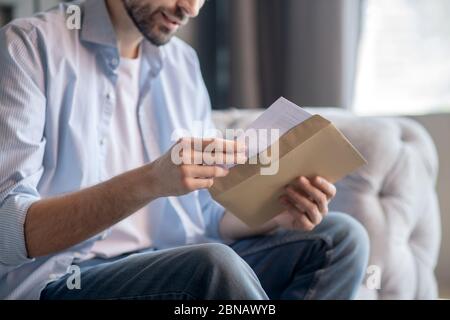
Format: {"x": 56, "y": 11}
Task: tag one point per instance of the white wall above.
{"x": 439, "y": 128}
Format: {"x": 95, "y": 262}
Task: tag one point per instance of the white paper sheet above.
{"x": 283, "y": 115}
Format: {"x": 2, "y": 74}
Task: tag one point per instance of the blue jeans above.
{"x": 327, "y": 263}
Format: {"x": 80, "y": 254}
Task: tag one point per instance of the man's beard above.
{"x": 145, "y": 20}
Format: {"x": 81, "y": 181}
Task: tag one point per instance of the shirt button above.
{"x": 114, "y": 62}
{"x": 102, "y": 142}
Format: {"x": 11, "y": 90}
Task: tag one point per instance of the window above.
{"x": 404, "y": 64}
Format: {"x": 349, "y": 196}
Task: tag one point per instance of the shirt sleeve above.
{"x": 212, "y": 211}
{"x": 22, "y": 142}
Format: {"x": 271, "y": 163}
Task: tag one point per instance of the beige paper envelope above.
{"x": 313, "y": 148}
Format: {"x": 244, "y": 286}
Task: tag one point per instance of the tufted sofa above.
{"x": 393, "y": 196}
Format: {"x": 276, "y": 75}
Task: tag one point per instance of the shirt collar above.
{"x": 97, "y": 29}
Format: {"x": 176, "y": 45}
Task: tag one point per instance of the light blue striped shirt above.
{"x": 57, "y": 91}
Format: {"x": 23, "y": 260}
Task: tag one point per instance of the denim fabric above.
{"x": 327, "y": 263}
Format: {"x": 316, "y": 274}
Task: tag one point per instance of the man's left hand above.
{"x": 306, "y": 203}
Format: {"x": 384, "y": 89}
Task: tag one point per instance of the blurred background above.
{"x": 373, "y": 57}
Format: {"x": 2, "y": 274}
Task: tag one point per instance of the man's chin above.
{"x": 159, "y": 40}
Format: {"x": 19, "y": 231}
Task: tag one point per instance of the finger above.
{"x": 314, "y": 193}
{"x": 213, "y": 144}
{"x": 299, "y": 219}
{"x": 304, "y": 204}
{"x": 190, "y": 157}
{"x": 193, "y": 184}
{"x": 224, "y": 146}
{"x": 326, "y": 187}
{"x": 196, "y": 171}
{"x": 224, "y": 158}
{"x": 302, "y": 222}
{"x": 203, "y": 183}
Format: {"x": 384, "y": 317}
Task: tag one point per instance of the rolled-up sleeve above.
{"x": 22, "y": 142}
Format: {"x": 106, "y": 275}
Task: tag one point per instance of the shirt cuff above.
{"x": 13, "y": 211}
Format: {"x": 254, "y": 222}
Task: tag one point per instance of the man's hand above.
{"x": 192, "y": 164}
{"x": 306, "y": 202}
{"x": 57, "y": 223}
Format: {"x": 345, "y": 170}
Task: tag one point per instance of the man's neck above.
{"x": 128, "y": 36}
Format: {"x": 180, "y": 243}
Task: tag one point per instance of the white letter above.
{"x": 74, "y": 20}
{"x": 177, "y": 154}
{"x": 249, "y": 138}
{"x": 274, "y": 157}
{"x": 74, "y": 281}
{"x": 374, "y": 279}
{"x": 272, "y": 309}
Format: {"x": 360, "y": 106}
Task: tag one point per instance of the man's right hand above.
{"x": 57, "y": 223}
{"x": 193, "y": 164}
